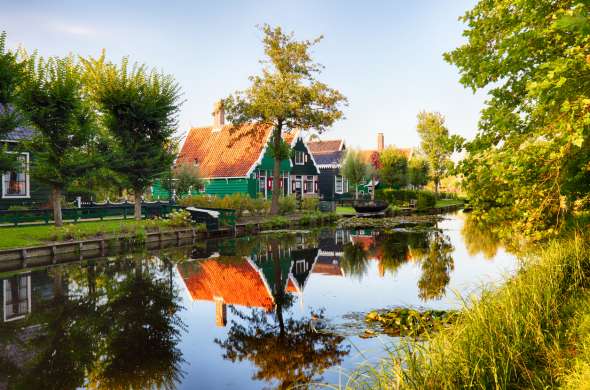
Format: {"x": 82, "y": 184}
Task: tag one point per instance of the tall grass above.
{"x": 532, "y": 332}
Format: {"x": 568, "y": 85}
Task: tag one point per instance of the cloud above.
{"x": 73, "y": 29}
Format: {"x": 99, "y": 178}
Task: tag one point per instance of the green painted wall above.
{"x": 308, "y": 168}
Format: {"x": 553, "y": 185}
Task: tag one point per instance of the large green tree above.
{"x": 393, "y": 167}
{"x": 286, "y": 95}
{"x": 438, "y": 145}
{"x": 354, "y": 169}
{"x": 139, "y": 109}
{"x": 529, "y": 163}
{"x": 65, "y": 143}
{"x": 12, "y": 73}
{"x": 418, "y": 171}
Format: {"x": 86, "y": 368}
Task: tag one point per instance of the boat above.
{"x": 371, "y": 208}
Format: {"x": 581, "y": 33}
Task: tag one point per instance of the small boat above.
{"x": 371, "y": 208}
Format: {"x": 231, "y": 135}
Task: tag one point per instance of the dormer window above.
{"x": 299, "y": 157}
{"x": 15, "y": 184}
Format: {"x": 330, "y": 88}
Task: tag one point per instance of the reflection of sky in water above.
{"x": 316, "y": 283}
{"x": 341, "y": 295}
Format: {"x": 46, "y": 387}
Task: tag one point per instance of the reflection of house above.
{"x": 16, "y": 297}
{"x": 331, "y": 252}
{"x": 247, "y": 281}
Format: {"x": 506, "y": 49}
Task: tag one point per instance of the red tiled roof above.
{"x": 238, "y": 283}
{"x": 325, "y": 146}
{"x": 327, "y": 269}
{"x": 227, "y": 151}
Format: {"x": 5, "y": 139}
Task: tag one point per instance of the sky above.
{"x": 384, "y": 56}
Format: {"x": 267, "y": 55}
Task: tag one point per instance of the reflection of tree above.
{"x": 110, "y": 325}
{"x": 354, "y": 260}
{"x": 294, "y": 357}
{"x": 396, "y": 248}
{"x": 140, "y": 336}
{"x": 291, "y": 351}
{"x": 436, "y": 267}
{"x": 479, "y": 238}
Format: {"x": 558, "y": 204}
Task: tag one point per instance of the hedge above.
{"x": 424, "y": 199}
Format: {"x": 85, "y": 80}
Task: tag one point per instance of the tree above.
{"x": 354, "y": 169}
{"x": 394, "y": 167}
{"x": 527, "y": 166}
{"x": 182, "y": 179}
{"x": 286, "y": 95}
{"x": 65, "y": 143}
{"x": 437, "y": 144}
{"x": 12, "y": 73}
{"x": 418, "y": 171}
{"x": 139, "y": 109}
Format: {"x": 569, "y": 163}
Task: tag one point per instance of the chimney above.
{"x": 380, "y": 142}
{"x": 218, "y": 114}
{"x": 220, "y": 312}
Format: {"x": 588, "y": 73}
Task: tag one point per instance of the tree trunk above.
{"x": 137, "y": 206}
{"x": 373, "y": 188}
{"x": 56, "y": 205}
{"x": 276, "y": 173}
{"x": 436, "y": 185}
{"x": 356, "y": 192}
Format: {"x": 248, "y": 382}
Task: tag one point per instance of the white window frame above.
{"x": 299, "y": 157}
{"x": 23, "y": 315}
{"x": 300, "y": 266}
{"x": 27, "y": 180}
{"x": 341, "y": 184}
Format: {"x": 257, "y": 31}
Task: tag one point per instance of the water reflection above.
{"x": 116, "y": 324}
{"x": 112, "y": 325}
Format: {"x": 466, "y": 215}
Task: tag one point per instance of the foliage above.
{"x": 286, "y": 95}
{"x": 180, "y": 218}
{"x": 287, "y": 204}
{"x": 393, "y": 171}
{"x": 12, "y": 74}
{"x": 310, "y": 203}
{"x": 66, "y": 144}
{"x": 424, "y": 199}
{"x": 185, "y": 178}
{"x": 437, "y": 144}
{"x": 354, "y": 169}
{"x": 139, "y": 109}
{"x": 239, "y": 202}
{"x": 403, "y": 321}
{"x": 528, "y": 165}
{"x": 418, "y": 171}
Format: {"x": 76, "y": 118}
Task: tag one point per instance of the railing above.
{"x": 92, "y": 210}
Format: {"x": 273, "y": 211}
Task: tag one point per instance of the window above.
{"x": 341, "y": 185}
{"x": 308, "y": 184}
{"x": 17, "y": 297}
{"x": 299, "y": 157}
{"x": 15, "y": 184}
{"x": 300, "y": 266}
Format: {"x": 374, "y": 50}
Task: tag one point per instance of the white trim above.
{"x": 261, "y": 156}
{"x": 28, "y": 276}
{"x": 27, "y": 180}
{"x": 333, "y": 166}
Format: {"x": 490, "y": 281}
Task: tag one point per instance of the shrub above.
{"x": 425, "y": 199}
{"x": 18, "y": 208}
{"x": 310, "y": 204}
{"x": 287, "y": 204}
{"x": 180, "y": 218}
{"x": 259, "y": 206}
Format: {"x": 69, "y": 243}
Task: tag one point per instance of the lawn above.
{"x": 345, "y": 210}
{"x": 448, "y": 202}
{"x": 14, "y": 237}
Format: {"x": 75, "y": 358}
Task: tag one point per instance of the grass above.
{"x": 532, "y": 332}
{"x": 21, "y": 236}
{"x": 448, "y": 202}
{"x": 345, "y": 210}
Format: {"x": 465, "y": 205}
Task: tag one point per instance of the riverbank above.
{"x": 532, "y": 332}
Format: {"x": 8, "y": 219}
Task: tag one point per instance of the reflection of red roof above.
{"x": 327, "y": 269}
{"x": 366, "y": 242}
{"x": 238, "y": 283}
{"x": 291, "y": 287}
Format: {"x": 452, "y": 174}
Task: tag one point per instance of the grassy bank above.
{"x": 22, "y": 236}
{"x": 532, "y": 332}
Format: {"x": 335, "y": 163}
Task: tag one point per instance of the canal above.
{"x": 269, "y": 311}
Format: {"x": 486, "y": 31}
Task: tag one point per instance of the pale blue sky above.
{"x": 385, "y": 56}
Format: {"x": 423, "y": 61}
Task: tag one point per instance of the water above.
{"x": 260, "y": 312}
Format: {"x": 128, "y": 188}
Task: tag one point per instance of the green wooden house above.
{"x": 237, "y": 160}
{"x": 18, "y": 187}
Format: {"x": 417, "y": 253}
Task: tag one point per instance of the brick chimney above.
{"x": 220, "y": 312}
{"x": 380, "y": 142}
{"x": 218, "y": 114}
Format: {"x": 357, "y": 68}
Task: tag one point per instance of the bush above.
{"x": 180, "y": 218}
{"x": 18, "y": 208}
{"x": 287, "y": 204}
{"x": 310, "y": 204}
{"x": 424, "y": 199}
{"x": 259, "y": 206}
